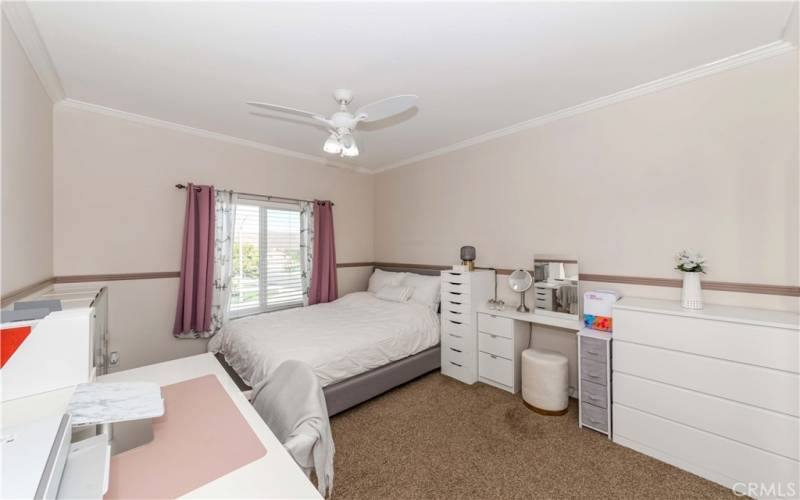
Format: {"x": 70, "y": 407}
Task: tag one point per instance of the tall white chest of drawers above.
{"x": 715, "y": 392}
{"x": 462, "y": 294}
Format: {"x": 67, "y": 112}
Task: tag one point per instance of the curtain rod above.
{"x": 267, "y": 197}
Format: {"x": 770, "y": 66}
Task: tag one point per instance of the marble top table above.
{"x": 110, "y": 402}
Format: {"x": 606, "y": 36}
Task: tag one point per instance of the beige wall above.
{"x": 711, "y": 164}
{"x": 27, "y": 171}
{"x": 117, "y": 211}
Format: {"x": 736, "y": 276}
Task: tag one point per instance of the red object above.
{"x": 10, "y": 340}
{"x": 602, "y": 323}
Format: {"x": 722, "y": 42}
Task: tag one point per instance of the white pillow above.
{"x": 426, "y": 289}
{"x": 395, "y": 293}
{"x": 380, "y": 279}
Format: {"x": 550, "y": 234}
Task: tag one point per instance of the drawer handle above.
{"x": 592, "y": 376}
{"x": 456, "y": 350}
{"x": 455, "y": 303}
{"x": 454, "y": 322}
{"x": 454, "y": 335}
{"x": 493, "y": 336}
{"x": 454, "y": 363}
{"x": 455, "y": 312}
{"x": 492, "y": 316}
{"x": 454, "y": 284}
{"x": 493, "y": 356}
{"x": 594, "y": 353}
{"x": 455, "y": 293}
{"x": 592, "y": 397}
{"x": 595, "y": 421}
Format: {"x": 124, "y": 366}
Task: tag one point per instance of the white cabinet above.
{"x": 63, "y": 348}
{"x": 715, "y": 392}
{"x": 462, "y": 294}
{"x": 501, "y": 341}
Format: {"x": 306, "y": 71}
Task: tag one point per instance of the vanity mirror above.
{"x": 520, "y": 281}
{"x": 555, "y": 287}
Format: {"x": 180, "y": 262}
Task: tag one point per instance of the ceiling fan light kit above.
{"x": 342, "y": 123}
{"x": 332, "y": 145}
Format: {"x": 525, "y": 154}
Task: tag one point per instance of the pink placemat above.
{"x": 202, "y": 436}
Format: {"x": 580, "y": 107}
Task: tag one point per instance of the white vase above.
{"x": 692, "y": 295}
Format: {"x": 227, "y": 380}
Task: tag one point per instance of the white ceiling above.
{"x": 477, "y": 67}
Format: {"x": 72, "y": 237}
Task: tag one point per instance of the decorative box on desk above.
{"x": 594, "y": 380}
{"x": 462, "y": 294}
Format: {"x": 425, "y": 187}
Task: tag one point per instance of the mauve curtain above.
{"x": 323, "y": 269}
{"x": 193, "y": 314}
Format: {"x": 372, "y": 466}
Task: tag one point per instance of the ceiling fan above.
{"x": 342, "y": 123}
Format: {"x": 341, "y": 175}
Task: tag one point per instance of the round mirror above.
{"x": 520, "y": 280}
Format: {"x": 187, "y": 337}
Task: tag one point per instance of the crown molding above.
{"x": 790, "y": 31}
{"x": 155, "y": 122}
{"x": 24, "y": 27}
{"x": 746, "y": 57}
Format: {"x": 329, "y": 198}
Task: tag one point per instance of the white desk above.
{"x": 502, "y": 336}
{"x": 275, "y": 475}
{"x": 536, "y": 318}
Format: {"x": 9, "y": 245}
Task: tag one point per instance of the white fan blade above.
{"x": 385, "y": 108}
{"x": 286, "y": 109}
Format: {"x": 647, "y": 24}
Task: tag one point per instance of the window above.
{"x": 266, "y": 258}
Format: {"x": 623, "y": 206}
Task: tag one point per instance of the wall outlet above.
{"x": 114, "y": 358}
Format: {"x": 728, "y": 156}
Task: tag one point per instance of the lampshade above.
{"x": 468, "y": 253}
{"x": 350, "y": 151}
{"x": 332, "y": 145}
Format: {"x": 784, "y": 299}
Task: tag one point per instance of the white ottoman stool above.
{"x": 545, "y": 381}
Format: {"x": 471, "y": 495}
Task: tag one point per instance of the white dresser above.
{"x": 715, "y": 392}
{"x": 462, "y": 294}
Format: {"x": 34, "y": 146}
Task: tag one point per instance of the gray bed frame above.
{"x": 355, "y": 390}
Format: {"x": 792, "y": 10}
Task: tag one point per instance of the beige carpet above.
{"x": 438, "y": 438}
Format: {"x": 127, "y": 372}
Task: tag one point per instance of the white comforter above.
{"x": 338, "y": 340}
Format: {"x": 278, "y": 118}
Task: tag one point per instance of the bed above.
{"x": 359, "y": 346}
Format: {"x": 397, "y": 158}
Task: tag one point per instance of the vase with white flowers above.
{"x": 691, "y": 264}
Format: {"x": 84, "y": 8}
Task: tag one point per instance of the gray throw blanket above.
{"x": 292, "y": 404}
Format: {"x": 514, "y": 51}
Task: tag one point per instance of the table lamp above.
{"x": 468, "y": 257}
